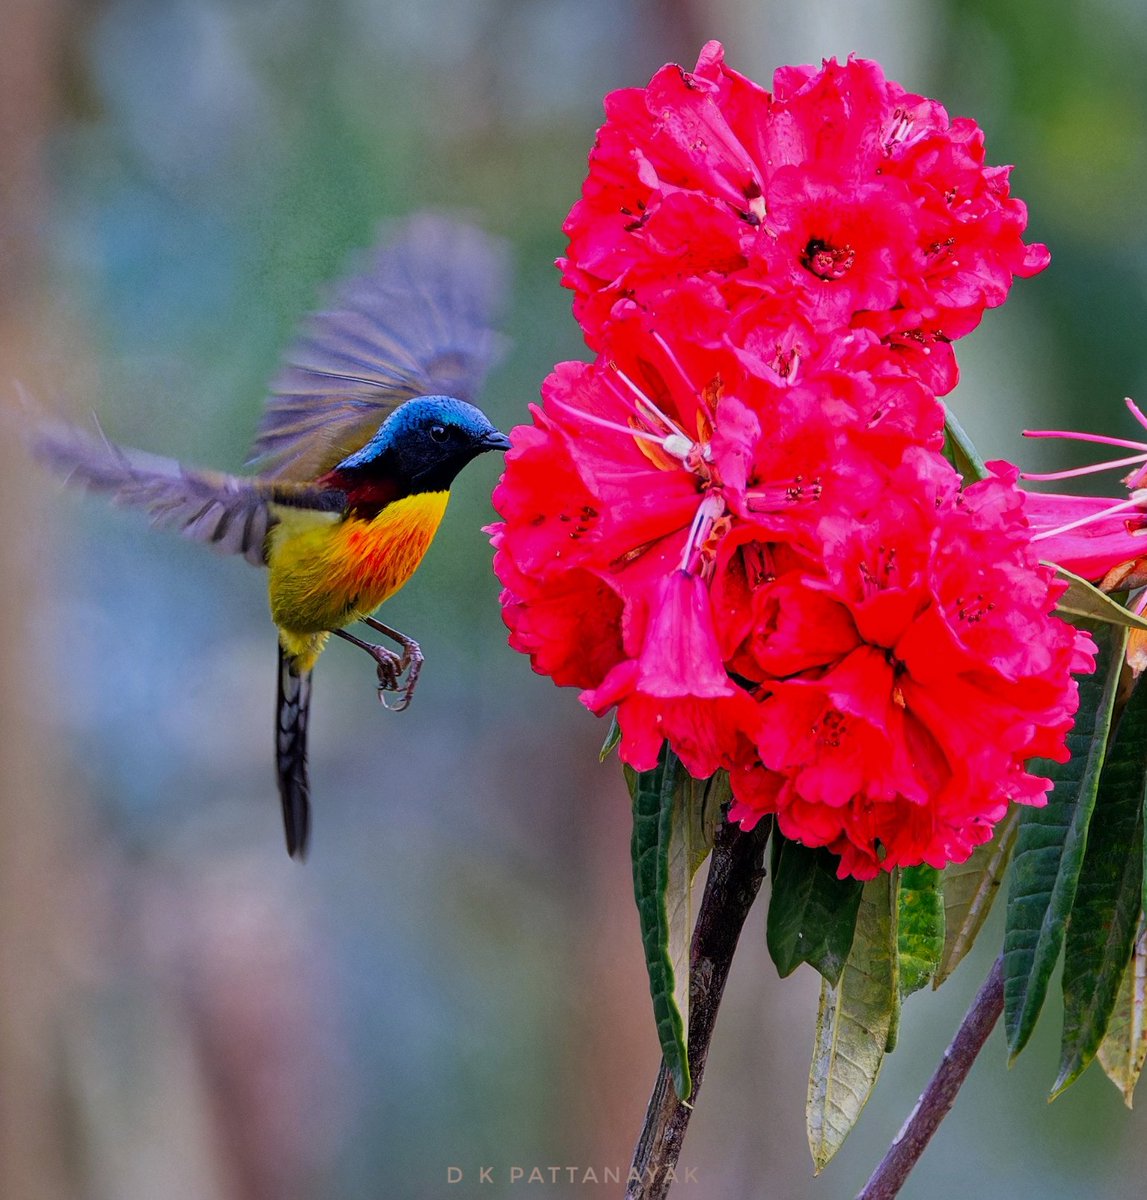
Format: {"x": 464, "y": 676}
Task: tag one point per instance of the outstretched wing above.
{"x": 415, "y": 322}
{"x": 228, "y": 513}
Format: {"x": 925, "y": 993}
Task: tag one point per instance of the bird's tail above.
{"x": 291, "y": 752}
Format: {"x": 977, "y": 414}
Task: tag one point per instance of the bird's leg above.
{"x": 390, "y": 667}
{"x": 411, "y": 660}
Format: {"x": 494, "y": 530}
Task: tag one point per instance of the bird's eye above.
{"x": 438, "y": 433}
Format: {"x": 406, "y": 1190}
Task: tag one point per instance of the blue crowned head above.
{"x": 423, "y": 445}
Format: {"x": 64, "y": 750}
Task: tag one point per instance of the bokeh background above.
{"x": 454, "y": 979}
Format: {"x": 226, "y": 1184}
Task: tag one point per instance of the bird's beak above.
{"x": 495, "y": 441}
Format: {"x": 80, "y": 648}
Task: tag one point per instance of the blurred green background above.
{"x": 454, "y": 979}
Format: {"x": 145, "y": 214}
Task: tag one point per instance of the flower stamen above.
{"x": 1135, "y": 411}
{"x": 676, "y": 445}
{"x": 1132, "y": 480}
{"x": 1074, "y": 435}
{"x": 676, "y": 364}
{"x": 605, "y": 423}
{"x": 774, "y": 497}
{"x": 1093, "y": 469}
{"x": 1137, "y": 499}
{"x": 642, "y": 398}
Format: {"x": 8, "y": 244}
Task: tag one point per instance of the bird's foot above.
{"x": 397, "y": 673}
{"x": 390, "y": 669}
{"x": 408, "y": 663}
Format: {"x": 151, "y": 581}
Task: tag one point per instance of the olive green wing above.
{"x": 415, "y": 321}
{"x": 229, "y": 513}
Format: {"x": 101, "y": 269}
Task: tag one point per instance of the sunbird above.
{"x": 368, "y": 423}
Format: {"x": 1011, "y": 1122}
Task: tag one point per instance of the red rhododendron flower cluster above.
{"x": 736, "y": 526}
{"x": 839, "y": 198}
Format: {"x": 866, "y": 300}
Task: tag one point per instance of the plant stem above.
{"x": 735, "y": 875}
{"x": 938, "y": 1097}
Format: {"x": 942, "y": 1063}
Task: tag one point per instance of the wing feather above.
{"x": 230, "y": 513}
{"x": 416, "y": 321}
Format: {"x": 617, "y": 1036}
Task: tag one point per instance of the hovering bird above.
{"x": 368, "y": 423}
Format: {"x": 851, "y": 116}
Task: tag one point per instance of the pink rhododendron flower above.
{"x": 797, "y": 591}
{"x": 840, "y": 197}
{"x": 735, "y": 525}
{"x": 1092, "y": 536}
{"x": 939, "y": 672}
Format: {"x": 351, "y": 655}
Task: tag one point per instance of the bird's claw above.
{"x": 390, "y": 668}
{"x": 390, "y": 674}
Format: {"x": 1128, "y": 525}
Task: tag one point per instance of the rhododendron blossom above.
{"x": 735, "y": 526}
{"x": 935, "y": 670}
{"x": 840, "y": 197}
{"x": 821, "y": 611}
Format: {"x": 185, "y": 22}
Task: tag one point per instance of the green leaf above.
{"x": 709, "y": 798}
{"x": 697, "y": 808}
{"x": 612, "y": 739}
{"x": 853, "y": 1025}
{"x": 919, "y": 927}
{"x": 775, "y": 847}
{"x": 653, "y": 794}
{"x": 962, "y": 454}
{"x": 1124, "y": 1047}
{"x": 674, "y": 819}
{"x": 1050, "y": 846}
{"x": 893, "y": 1034}
{"x": 812, "y": 914}
{"x": 969, "y": 890}
{"x": 1105, "y": 916}
{"x": 1085, "y": 601}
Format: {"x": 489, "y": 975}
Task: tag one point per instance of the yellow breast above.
{"x": 327, "y": 570}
